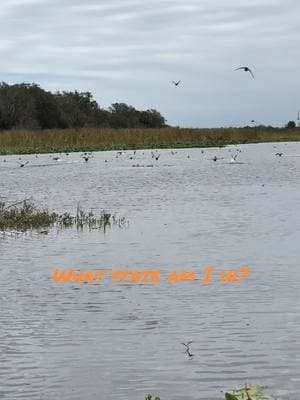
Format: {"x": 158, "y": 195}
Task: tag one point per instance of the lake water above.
{"x": 122, "y": 341}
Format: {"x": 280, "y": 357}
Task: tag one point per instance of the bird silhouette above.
{"x": 233, "y": 158}
{"x": 23, "y": 164}
{"x": 176, "y": 83}
{"x": 187, "y": 347}
{"x": 246, "y": 69}
{"x": 215, "y": 158}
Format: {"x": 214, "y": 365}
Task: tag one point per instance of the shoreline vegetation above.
{"x": 104, "y": 139}
{"x": 24, "y": 216}
{"x": 33, "y": 120}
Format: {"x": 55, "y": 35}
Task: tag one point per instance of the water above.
{"x": 120, "y": 341}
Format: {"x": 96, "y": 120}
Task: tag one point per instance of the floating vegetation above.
{"x": 24, "y": 215}
{"x": 250, "y": 392}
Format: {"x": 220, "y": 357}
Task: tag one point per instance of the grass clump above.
{"x": 250, "y": 392}
{"x": 24, "y": 216}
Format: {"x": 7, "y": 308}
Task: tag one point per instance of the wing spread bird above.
{"x": 233, "y": 159}
{"x": 176, "y": 83}
{"x": 187, "y": 345}
{"x": 246, "y": 69}
{"x": 23, "y": 164}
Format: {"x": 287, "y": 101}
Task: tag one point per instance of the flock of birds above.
{"x": 154, "y": 154}
{"x": 128, "y": 155}
{"x": 246, "y": 69}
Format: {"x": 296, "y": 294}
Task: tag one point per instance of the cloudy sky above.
{"x": 130, "y": 51}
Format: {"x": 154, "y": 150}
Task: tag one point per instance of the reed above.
{"x": 23, "y": 216}
{"x": 93, "y": 139}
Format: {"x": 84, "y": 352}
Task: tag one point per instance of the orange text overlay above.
{"x": 207, "y": 276}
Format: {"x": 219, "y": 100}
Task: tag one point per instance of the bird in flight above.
{"x": 246, "y": 69}
{"x": 176, "y": 83}
{"x": 233, "y": 159}
{"x": 23, "y": 164}
{"x": 215, "y": 158}
{"x": 187, "y": 348}
{"x": 86, "y": 158}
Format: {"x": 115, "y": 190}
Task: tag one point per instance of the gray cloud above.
{"x": 124, "y": 50}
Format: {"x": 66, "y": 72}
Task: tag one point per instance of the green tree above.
{"x": 291, "y": 125}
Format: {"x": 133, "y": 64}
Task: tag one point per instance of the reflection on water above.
{"x": 120, "y": 341}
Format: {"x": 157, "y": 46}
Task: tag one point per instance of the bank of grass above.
{"x": 23, "y": 216}
{"x": 92, "y": 139}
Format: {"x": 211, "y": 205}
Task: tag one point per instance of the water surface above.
{"x": 114, "y": 341}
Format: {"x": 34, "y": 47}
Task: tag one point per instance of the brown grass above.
{"x": 89, "y": 139}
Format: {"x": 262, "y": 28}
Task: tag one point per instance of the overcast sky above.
{"x": 130, "y": 51}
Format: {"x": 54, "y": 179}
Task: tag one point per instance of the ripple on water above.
{"x": 123, "y": 341}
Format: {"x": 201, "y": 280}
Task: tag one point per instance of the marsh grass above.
{"x": 89, "y": 139}
{"x": 24, "y": 216}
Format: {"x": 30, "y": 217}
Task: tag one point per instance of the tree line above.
{"x": 28, "y": 106}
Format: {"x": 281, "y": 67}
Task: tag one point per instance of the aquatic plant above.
{"x": 24, "y": 215}
{"x": 150, "y": 397}
{"x": 249, "y": 392}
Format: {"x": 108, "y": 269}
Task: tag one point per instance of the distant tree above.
{"x": 78, "y": 109}
{"x": 151, "y": 119}
{"x": 291, "y": 125}
{"x": 28, "y": 106}
{"x": 17, "y": 107}
{"x": 49, "y": 114}
{"x": 123, "y": 116}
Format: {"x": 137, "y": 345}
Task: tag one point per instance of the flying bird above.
{"x": 246, "y": 69}
{"x": 176, "y": 83}
{"x": 187, "y": 347}
{"x": 215, "y": 158}
{"x": 233, "y": 159}
{"x": 23, "y": 164}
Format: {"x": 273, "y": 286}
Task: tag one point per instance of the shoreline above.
{"x": 106, "y": 139}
